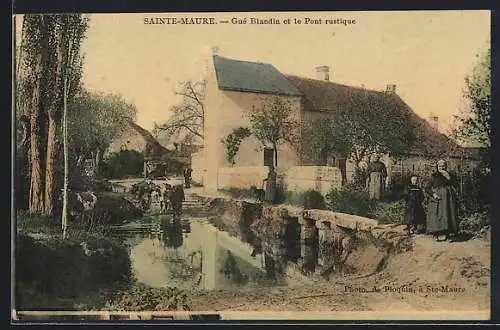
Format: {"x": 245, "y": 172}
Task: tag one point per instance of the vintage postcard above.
{"x": 265, "y": 165}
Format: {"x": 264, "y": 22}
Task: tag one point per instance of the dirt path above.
{"x": 412, "y": 281}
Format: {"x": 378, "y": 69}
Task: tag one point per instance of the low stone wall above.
{"x": 346, "y": 243}
{"x": 233, "y": 216}
{"x": 241, "y": 177}
{"x": 319, "y": 178}
{"x": 198, "y": 166}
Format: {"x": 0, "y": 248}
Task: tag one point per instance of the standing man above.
{"x": 187, "y": 176}
{"x": 270, "y": 186}
{"x": 377, "y": 174}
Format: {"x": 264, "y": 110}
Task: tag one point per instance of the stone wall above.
{"x": 234, "y": 217}
{"x": 198, "y": 166}
{"x": 241, "y": 176}
{"x": 345, "y": 243}
{"x": 320, "y": 178}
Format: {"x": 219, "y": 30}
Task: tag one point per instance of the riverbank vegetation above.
{"x": 88, "y": 270}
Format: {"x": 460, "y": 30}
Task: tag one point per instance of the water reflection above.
{"x": 174, "y": 251}
{"x": 171, "y": 232}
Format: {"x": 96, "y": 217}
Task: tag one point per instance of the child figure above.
{"x": 166, "y": 198}
{"x": 414, "y": 213}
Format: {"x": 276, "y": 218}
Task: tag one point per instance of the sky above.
{"x": 427, "y": 54}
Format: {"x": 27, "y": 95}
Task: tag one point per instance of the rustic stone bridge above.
{"x": 358, "y": 243}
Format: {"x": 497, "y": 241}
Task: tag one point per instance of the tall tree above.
{"x": 34, "y": 49}
{"x": 95, "y": 120}
{"x": 187, "y": 116}
{"x": 66, "y": 35}
{"x": 475, "y": 123}
{"x": 40, "y": 94}
{"x": 274, "y": 123}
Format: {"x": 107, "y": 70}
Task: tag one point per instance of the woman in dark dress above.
{"x": 442, "y": 203}
{"x": 414, "y": 211}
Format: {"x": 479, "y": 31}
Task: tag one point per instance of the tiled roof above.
{"x": 320, "y": 95}
{"x": 253, "y": 77}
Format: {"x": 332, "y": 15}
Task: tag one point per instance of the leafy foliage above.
{"x": 476, "y": 191}
{"x": 47, "y": 36}
{"x": 95, "y": 119}
{"x": 392, "y": 212}
{"x": 475, "y": 224}
{"x": 273, "y": 123}
{"x": 366, "y": 123}
{"x": 233, "y": 141}
{"x": 309, "y": 199}
{"x": 143, "y": 298}
{"x": 475, "y": 124}
{"x": 350, "y": 199}
{"x": 124, "y": 163}
{"x": 51, "y": 268}
{"x": 49, "y": 55}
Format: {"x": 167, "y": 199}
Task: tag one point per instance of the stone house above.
{"x": 135, "y": 137}
{"x": 235, "y": 87}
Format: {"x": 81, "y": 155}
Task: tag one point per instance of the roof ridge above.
{"x": 244, "y": 61}
{"x": 334, "y": 83}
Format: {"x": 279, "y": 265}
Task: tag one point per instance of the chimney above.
{"x": 323, "y": 72}
{"x": 390, "y": 88}
{"x": 433, "y": 120}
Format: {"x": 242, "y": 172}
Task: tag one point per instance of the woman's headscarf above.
{"x": 442, "y": 172}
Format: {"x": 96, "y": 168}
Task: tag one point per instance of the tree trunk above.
{"x": 64, "y": 218}
{"x": 343, "y": 169}
{"x": 98, "y": 156}
{"x": 275, "y": 148}
{"x": 49, "y": 169}
{"x": 36, "y": 195}
{"x": 52, "y": 131}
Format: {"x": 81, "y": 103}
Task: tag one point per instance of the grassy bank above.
{"x": 89, "y": 270}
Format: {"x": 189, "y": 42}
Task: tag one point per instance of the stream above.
{"x": 190, "y": 253}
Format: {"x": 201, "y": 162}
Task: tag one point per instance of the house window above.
{"x": 268, "y": 157}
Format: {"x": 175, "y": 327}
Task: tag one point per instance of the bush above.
{"x": 359, "y": 177}
{"x": 392, "y": 212}
{"x": 143, "y": 298}
{"x": 54, "y": 268}
{"x": 113, "y": 209}
{"x": 123, "y": 163}
{"x": 350, "y": 199}
{"x": 475, "y": 224}
{"x": 398, "y": 184}
{"x": 476, "y": 191}
{"x": 309, "y": 199}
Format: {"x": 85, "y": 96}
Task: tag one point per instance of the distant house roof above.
{"x": 320, "y": 95}
{"x": 253, "y": 77}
